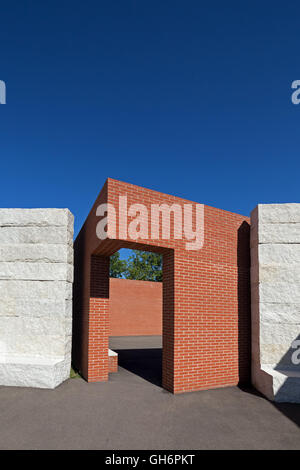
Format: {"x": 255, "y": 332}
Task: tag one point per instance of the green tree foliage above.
{"x": 140, "y": 265}
{"x": 144, "y": 266}
{"x": 117, "y": 265}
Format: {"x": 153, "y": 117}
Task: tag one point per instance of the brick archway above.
{"x": 206, "y": 296}
{"x": 99, "y": 316}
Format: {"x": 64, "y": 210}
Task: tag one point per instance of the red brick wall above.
{"x": 206, "y": 301}
{"x": 135, "y": 307}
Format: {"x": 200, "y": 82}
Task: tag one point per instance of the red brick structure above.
{"x": 135, "y": 307}
{"x": 206, "y": 295}
{"x": 112, "y": 362}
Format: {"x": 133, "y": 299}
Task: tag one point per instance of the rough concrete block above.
{"x": 278, "y": 213}
{"x": 20, "y": 307}
{"x": 34, "y": 345}
{"x": 280, "y": 292}
{"x": 36, "y": 218}
{"x": 275, "y": 300}
{"x": 285, "y": 384}
{"x": 275, "y": 273}
{"x": 40, "y": 235}
{"x": 279, "y": 233}
{"x": 276, "y": 343}
{"x": 36, "y": 271}
{"x": 54, "y": 290}
{"x": 288, "y": 314}
{"x": 279, "y": 254}
{"x": 34, "y": 372}
{"x": 36, "y": 275}
{"x": 33, "y": 326}
{"x": 68, "y": 327}
{"x": 42, "y": 253}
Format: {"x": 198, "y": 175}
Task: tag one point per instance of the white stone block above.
{"x": 47, "y": 253}
{"x": 275, "y": 298}
{"x": 36, "y": 275}
{"x": 280, "y": 292}
{"x": 35, "y": 345}
{"x": 279, "y": 233}
{"x": 277, "y": 354}
{"x": 36, "y": 271}
{"x": 278, "y": 213}
{"x": 276, "y": 273}
{"x": 285, "y": 384}
{"x": 279, "y": 254}
{"x": 54, "y": 290}
{"x": 21, "y": 307}
{"x": 272, "y": 313}
{"x": 68, "y": 327}
{"x": 40, "y": 235}
{"x": 276, "y": 342}
{"x": 34, "y": 372}
{"x": 68, "y": 345}
{"x": 36, "y": 218}
{"x": 54, "y": 325}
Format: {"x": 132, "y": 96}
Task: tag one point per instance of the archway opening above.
{"x": 136, "y": 314}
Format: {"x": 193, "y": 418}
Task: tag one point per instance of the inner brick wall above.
{"x": 135, "y": 307}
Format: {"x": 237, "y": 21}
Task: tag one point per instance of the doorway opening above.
{"x": 135, "y": 313}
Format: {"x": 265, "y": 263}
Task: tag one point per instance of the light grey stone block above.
{"x": 36, "y": 218}
{"x": 40, "y": 235}
{"x": 273, "y": 313}
{"x": 53, "y": 325}
{"x": 276, "y": 343}
{"x": 54, "y": 290}
{"x": 42, "y": 253}
{"x": 275, "y": 273}
{"x": 279, "y": 254}
{"x": 279, "y": 233}
{"x": 275, "y": 300}
{"x": 34, "y": 345}
{"x": 279, "y": 292}
{"x": 276, "y": 354}
{"x": 24, "y": 307}
{"x": 68, "y": 327}
{"x": 34, "y": 372}
{"x": 36, "y": 275}
{"x": 68, "y": 345}
{"x": 277, "y": 385}
{"x": 285, "y": 384}
{"x": 278, "y": 213}
{"x": 36, "y": 271}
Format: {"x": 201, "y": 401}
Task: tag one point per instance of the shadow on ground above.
{"x": 290, "y": 410}
{"x": 146, "y": 363}
{"x": 142, "y": 356}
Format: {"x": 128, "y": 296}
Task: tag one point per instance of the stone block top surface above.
{"x": 36, "y": 217}
{"x": 276, "y": 213}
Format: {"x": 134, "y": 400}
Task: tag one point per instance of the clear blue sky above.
{"x": 185, "y": 97}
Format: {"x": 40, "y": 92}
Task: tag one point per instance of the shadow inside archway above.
{"x": 146, "y": 363}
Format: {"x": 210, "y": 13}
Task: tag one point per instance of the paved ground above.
{"x": 132, "y": 412}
